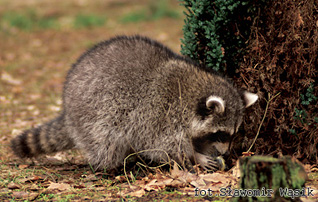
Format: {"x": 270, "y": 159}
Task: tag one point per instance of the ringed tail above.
{"x": 47, "y": 138}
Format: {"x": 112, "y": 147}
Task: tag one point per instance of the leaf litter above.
{"x": 179, "y": 179}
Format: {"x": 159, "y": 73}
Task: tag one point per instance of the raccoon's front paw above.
{"x": 210, "y": 163}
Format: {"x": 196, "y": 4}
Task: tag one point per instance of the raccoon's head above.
{"x": 216, "y": 114}
{"x": 217, "y": 119}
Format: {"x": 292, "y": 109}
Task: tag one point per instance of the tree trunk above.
{"x": 266, "y": 178}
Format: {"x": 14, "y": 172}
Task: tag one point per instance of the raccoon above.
{"x": 131, "y": 94}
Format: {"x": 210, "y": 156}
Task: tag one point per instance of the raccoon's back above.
{"x": 110, "y": 81}
{"x": 115, "y": 68}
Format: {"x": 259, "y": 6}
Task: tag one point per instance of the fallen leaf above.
{"x": 59, "y": 186}
{"x": 121, "y": 178}
{"x": 198, "y": 183}
{"x": 150, "y": 185}
{"x": 214, "y": 178}
{"x": 23, "y": 166}
{"x": 34, "y": 187}
{"x": 20, "y": 194}
{"x": 138, "y": 193}
{"x": 164, "y": 182}
{"x": 13, "y": 185}
{"x": 176, "y": 172}
{"x": 178, "y": 184}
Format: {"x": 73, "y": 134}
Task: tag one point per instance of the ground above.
{"x": 39, "y": 41}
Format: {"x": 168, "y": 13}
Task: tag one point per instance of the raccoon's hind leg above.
{"x": 47, "y": 138}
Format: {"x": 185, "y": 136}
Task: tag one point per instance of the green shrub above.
{"x": 210, "y": 33}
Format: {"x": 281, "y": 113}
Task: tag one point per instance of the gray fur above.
{"x": 130, "y": 94}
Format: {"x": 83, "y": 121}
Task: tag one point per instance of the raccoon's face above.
{"x": 217, "y": 119}
{"x": 216, "y": 115}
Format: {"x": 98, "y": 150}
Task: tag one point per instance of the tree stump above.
{"x": 266, "y": 178}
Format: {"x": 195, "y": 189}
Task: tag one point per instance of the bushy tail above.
{"x": 47, "y": 138}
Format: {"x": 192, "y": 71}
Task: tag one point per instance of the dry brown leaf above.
{"x": 141, "y": 182}
{"x": 183, "y": 176}
{"x": 158, "y": 184}
{"x": 214, "y": 178}
{"x": 133, "y": 187}
{"x": 34, "y": 187}
{"x": 23, "y": 166}
{"x": 25, "y": 195}
{"x": 198, "y": 183}
{"x": 178, "y": 184}
{"x": 150, "y": 185}
{"x": 20, "y": 194}
{"x": 176, "y": 172}
{"x": 138, "y": 193}
{"x": 58, "y": 186}
{"x": 13, "y": 185}
{"x": 164, "y": 182}
{"x": 121, "y": 178}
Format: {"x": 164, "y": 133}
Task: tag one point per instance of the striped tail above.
{"x": 47, "y": 138}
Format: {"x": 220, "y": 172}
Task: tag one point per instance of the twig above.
{"x": 125, "y": 160}
{"x": 266, "y": 109}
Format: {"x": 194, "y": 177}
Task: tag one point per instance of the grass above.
{"x": 154, "y": 11}
{"x": 28, "y": 20}
{"x": 31, "y": 20}
{"x": 88, "y": 21}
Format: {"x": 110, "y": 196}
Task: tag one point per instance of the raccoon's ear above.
{"x": 216, "y": 104}
{"x": 249, "y": 98}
